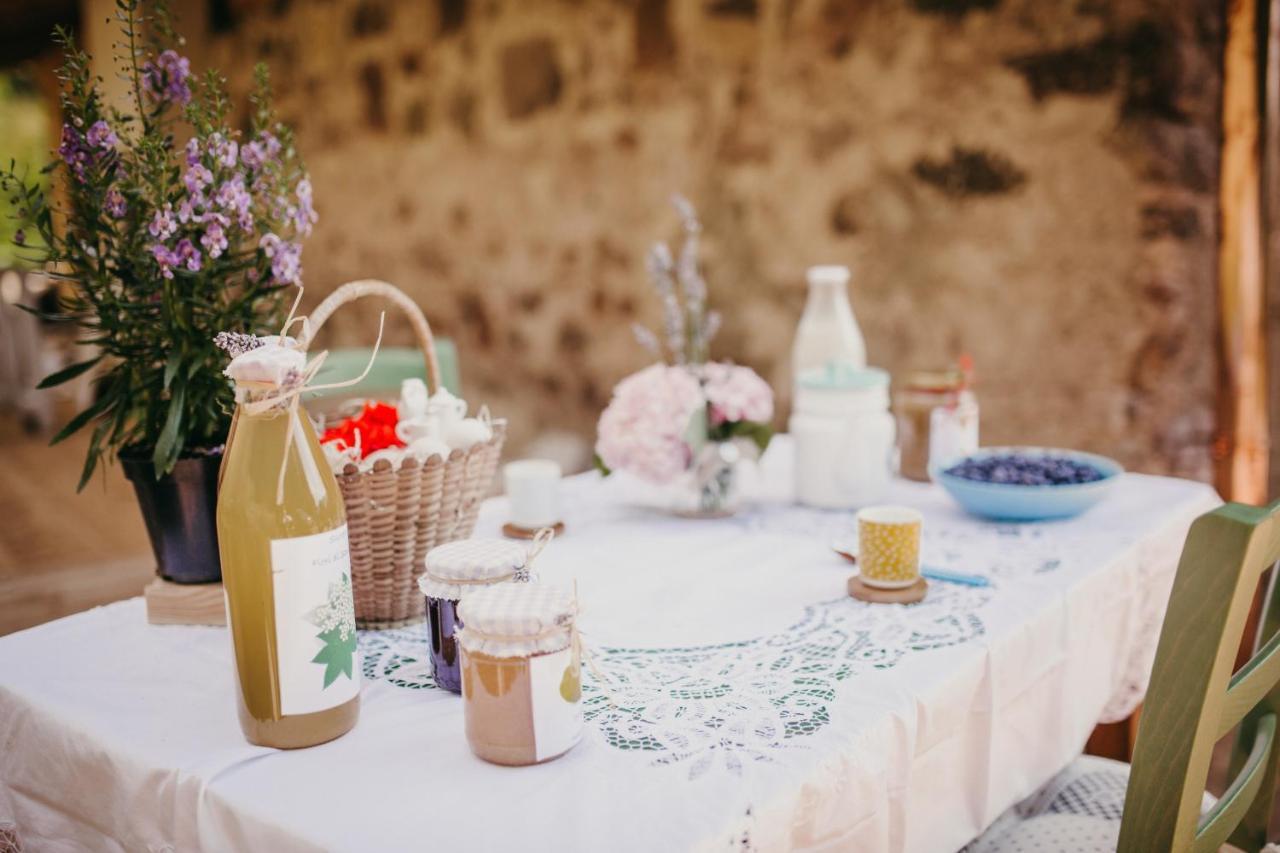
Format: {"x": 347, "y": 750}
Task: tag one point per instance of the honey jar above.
{"x": 521, "y": 673}
{"x": 937, "y": 420}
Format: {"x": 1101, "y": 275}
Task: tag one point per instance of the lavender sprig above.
{"x": 646, "y": 338}
{"x": 687, "y": 325}
{"x": 661, "y": 273}
{"x": 237, "y": 343}
{"x": 710, "y": 326}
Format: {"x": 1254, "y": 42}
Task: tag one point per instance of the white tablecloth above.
{"x": 756, "y": 704}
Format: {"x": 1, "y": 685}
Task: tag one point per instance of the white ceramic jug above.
{"x": 844, "y": 436}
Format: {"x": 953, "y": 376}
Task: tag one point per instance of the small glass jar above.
{"x": 521, "y": 673}
{"x": 937, "y": 420}
{"x": 453, "y": 571}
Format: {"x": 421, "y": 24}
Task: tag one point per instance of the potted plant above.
{"x": 686, "y": 422}
{"x": 165, "y": 225}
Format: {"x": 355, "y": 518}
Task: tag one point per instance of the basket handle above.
{"x": 353, "y": 290}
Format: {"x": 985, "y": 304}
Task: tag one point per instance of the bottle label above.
{"x": 555, "y": 693}
{"x": 315, "y": 621}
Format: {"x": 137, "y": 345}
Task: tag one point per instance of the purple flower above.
{"x": 166, "y": 258}
{"x": 187, "y": 252}
{"x": 193, "y": 151}
{"x": 101, "y": 135}
{"x": 226, "y": 152}
{"x": 285, "y": 257}
{"x": 232, "y": 196}
{"x": 115, "y": 204}
{"x": 303, "y": 215}
{"x": 162, "y": 224}
{"x": 258, "y": 152}
{"x": 19, "y": 237}
{"x": 196, "y": 178}
{"x": 165, "y": 78}
{"x": 228, "y": 195}
{"x": 74, "y": 152}
{"x": 214, "y": 238}
{"x": 187, "y": 210}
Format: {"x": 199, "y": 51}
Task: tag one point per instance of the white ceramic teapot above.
{"x": 844, "y": 436}
{"x": 441, "y": 422}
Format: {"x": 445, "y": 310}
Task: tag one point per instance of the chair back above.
{"x": 1195, "y": 699}
{"x": 390, "y": 368}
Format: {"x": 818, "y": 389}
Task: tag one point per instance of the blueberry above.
{"x": 1025, "y": 470}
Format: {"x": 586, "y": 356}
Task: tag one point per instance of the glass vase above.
{"x": 711, "y": 488}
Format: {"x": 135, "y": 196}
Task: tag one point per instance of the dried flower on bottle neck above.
{"x": 237, "y": 343}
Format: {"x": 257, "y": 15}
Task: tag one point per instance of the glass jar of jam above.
{"x": 937, "y": 419}
{"x": 521, "y": 673}
{"x": 453, "y": 571}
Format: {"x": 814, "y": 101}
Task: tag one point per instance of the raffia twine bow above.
{"x": 290, "y": 394}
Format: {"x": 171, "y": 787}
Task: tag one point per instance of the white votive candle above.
{"x": 533, "y": 488}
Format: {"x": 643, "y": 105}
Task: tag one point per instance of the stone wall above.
{"x": 1030, "y": 182}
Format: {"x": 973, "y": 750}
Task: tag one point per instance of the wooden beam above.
{"x": 1271, "y": 213}
{"x": 1242, "y": 474}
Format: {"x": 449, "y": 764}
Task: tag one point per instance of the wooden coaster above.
{"x": 170, "y": 603}
{"x": 876, "y": 595}
{"x": 513, "y": 532}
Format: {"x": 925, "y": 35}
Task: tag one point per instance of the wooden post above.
{"x": 1242, "y": 474}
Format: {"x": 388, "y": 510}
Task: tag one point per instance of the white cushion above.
{"x": 1077, "y": 811}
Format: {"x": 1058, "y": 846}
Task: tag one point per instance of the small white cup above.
{"x": 533, "y": 488}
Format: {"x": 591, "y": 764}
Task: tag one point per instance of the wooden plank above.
{"x": 1242, "y": 473}
{"x": 171, "y": 603}
{"x": 49, "y": 593}
{"x": 1271, "y": 219}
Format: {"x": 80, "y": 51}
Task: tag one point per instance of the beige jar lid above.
{"x": 464, "y": 566}
{"x": 517, "y": 620}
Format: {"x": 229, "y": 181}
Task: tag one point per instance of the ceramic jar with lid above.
{"x": 937, "y": 420}
{"x": 844, "y": 436}
{"x": 521, "y": 673}
{"x": 453, "y": 571}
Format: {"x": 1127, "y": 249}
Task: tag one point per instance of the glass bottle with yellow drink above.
{"x": 286, "y": 568}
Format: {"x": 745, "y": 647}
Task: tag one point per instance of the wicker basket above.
{"x": 395, "y": 516}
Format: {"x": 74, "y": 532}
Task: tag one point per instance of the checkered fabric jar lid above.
{"x": 517, "y": 620}
{"x": 459, "y": 568}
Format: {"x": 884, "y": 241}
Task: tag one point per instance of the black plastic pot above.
{"x": 180, "y": 510}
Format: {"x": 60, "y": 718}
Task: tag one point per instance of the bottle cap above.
{"x": 270, "y": 363}
{"x": 843, "y": 376}
{"x": 828, "y": 274}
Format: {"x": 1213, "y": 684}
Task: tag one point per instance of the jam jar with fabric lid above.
{"x": 937, "y": 419}
{"x": 521, "y": 673}
{"x": 454, "y": 570}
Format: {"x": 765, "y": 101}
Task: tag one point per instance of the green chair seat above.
{"x": 392, "y": 366}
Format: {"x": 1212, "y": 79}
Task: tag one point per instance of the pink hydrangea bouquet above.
{"x": 687, "y": 418}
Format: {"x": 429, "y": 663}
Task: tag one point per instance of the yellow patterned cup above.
{"x": 889, "y": 546}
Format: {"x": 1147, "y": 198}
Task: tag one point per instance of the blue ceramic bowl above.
{"x": 1006, "y": 501}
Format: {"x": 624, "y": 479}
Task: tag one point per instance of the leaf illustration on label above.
{"x": 338, "y": 655}
{"x": 336, "y": 619}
